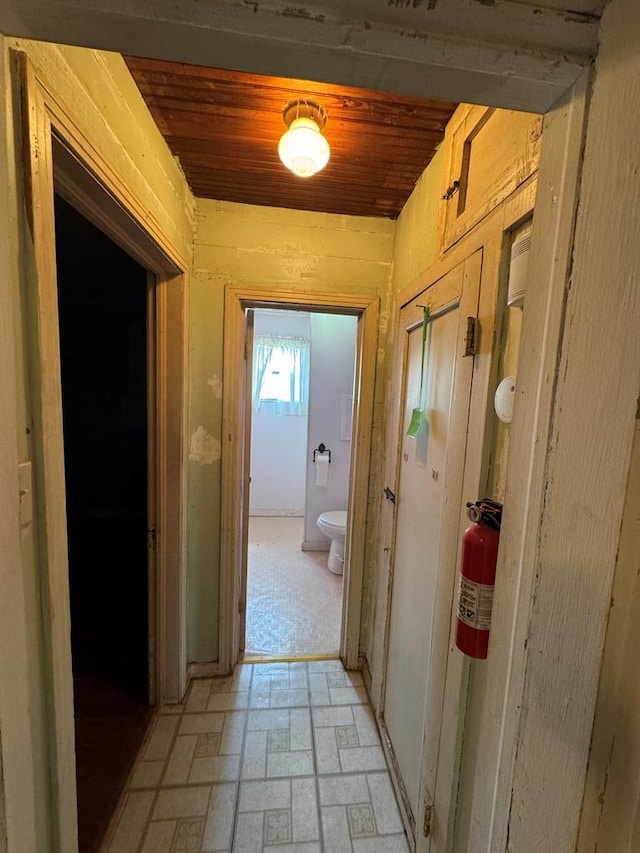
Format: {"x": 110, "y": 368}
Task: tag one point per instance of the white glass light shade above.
{"x": 303, "y": 149}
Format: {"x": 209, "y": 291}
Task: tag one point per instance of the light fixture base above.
{"x": 304, "y": 108}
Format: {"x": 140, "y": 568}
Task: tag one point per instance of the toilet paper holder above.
{"x": 322, "y": 449}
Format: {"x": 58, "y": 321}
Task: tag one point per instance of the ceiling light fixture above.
{"x": 303, "y": 148}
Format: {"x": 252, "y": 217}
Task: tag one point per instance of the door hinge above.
{"x": 151, "y": 536}
{"x": 389, "y": 495}
{"x": 471, "y": 336}
{"x": 428, "y": 818}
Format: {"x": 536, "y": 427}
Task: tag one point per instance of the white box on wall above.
{"x": 347, "y": 417}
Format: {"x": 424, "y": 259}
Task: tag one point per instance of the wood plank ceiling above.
{"x": 224, "y": 126}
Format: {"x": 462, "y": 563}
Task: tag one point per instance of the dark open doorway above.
{"x": 102, "y": 297}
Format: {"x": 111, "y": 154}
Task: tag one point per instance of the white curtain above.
{"x": 261, "y": 357}
{"x": 281, "y": 373}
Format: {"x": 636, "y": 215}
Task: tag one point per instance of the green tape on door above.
{"x": 418, "y": 418}
{"x": 416, "y": 422}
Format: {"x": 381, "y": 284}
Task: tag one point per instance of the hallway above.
{"x": 279, "y": 757}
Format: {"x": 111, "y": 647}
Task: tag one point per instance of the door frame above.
{"x": 58, "y": 156}
{"x": 366, "y": 309}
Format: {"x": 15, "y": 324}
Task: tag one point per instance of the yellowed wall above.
{"x": 101, "y": 97}
{"x": 292, "y": 250}
{"x": 100, "y": 93}
{"x": 416, "y": 245}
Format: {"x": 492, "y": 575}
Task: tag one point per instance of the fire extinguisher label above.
{"x": 474, "y": 604}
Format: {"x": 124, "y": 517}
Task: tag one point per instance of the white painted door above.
{"x": 428, "y": 502}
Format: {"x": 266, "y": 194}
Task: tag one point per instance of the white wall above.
{"x": 278, "y": 442}
{"x": 333, "y": 348}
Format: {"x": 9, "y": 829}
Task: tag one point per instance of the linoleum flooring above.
{"x": 278, "y": 758}
{"x": 294, "y": 603}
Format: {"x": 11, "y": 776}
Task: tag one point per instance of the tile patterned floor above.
{"x": 278, "y": 758}
{"x": 294, "y": 603}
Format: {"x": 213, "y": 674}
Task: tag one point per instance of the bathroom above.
{"x": 302, "y": 398}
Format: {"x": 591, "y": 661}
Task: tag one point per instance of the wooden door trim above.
{"x": 366, "y": 308}
{"x": 96, "y": 188}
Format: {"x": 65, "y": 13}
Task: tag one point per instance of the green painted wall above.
{"x": 279, "y": 249}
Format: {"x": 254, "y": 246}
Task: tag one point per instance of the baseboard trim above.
{"x": 205, "y": 669}
{"x": 256, "y": 657}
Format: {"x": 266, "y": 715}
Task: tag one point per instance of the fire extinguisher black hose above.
{"x": 487, "y": 511}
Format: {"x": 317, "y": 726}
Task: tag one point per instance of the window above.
{"x": 281, "y": 373}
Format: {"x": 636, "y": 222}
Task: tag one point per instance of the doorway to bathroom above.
{"x": 298, "y": 425}
{"x": 236, "y": 455}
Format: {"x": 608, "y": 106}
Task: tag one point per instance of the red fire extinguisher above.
{"x": 477, "y": 577}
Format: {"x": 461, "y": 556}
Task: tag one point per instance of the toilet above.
{"x": 334, "y": 525}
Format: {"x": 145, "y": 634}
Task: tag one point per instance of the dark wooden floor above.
{"x": 108, "y": 642}
{"x": 110, "y": 726}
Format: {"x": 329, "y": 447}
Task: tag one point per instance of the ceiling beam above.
{"x": 504, "y": 53}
